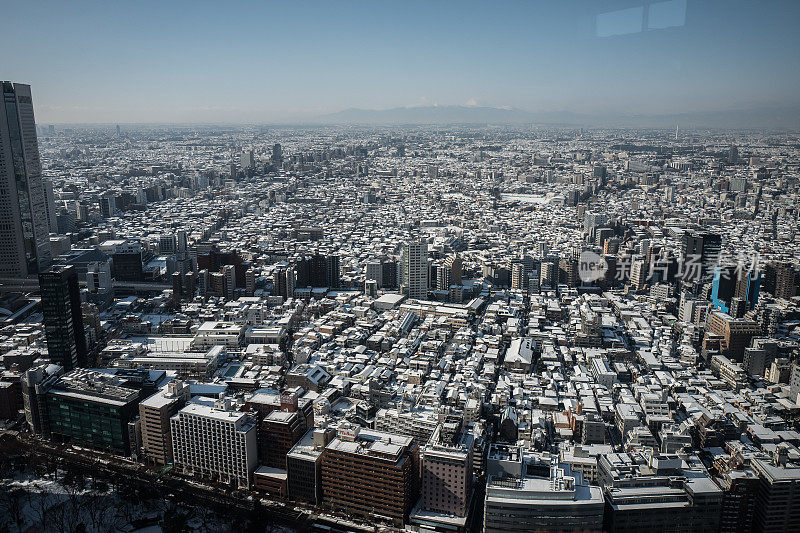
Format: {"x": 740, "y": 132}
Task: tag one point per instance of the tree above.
{"x": 175, "y": 521}
{"x": 12, "y": 502}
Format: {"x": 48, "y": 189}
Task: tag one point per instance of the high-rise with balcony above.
{"x": 24, "y": 223}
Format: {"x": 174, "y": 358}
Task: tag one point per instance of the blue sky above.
{"x": 197, "y": 61}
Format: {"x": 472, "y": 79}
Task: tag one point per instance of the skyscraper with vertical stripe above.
{"x": 24, "y": 222}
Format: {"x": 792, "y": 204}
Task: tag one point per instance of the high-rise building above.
{"x": 215, "y": 441}
{"x": 447, "y": 473}
{"x": 247, "y": 159}
{"x": 700, "y": 252}
{"x": 374, "y": 272}
{"x": 229, "y": 280}
{"x": 638, "y": 274}
{"x": 50, "y": 205}
{"x": 415, "y": 269}
{"x": 777, "y": 507}
{"x": 723, "y": 287}
{"x": 560, "y": 502}
{"x": 592, "y": 220}
{"x": 24, "y": 222}
{"x": 99, "y": 287}
{"x": 155, "y": 413}
{"x": 279, "y": 431}
{"x": 368, "y": 472}
{"x": 283, "y": 281}
{"x": 779, "y": 279}
{"x": 127, "y": 261}
{"x": 277, "y": 154}
{"x": 61, "y": 310}
{"x": 519, "y": 275}
{"x": 736, "y": 333}
{"x": 108, "y": 204}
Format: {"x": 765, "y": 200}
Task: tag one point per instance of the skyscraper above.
{"x": 277, "y": 154}
{"x": 700, "y": 251}
{"x": 415, "y": 269}
{"x": 61, "y": 310}
{"x": 24, "y": 223}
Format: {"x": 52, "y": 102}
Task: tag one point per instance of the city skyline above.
{"x": 254, "y": 63}
{"x": 446, "y": 267}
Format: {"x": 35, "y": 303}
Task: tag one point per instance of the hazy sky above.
{"x": 226, "y": 61}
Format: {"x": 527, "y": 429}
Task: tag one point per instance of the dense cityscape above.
{"x": 429, "y": 328}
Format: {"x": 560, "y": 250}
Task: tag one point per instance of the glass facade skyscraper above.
{"x": 24, "y": 223}
{"x": 61, "y": 316}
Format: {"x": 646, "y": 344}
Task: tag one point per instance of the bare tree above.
{"x": 42, "y": 504}
{"x": 12, "y": 503}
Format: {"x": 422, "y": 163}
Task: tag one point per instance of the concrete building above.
{"x": 560, "y": 503}
{"x": 367, "y": 472}
{"x": 155, "y": 413}
{"x": 215, "y": 442}
{"x": 415, "y": 270}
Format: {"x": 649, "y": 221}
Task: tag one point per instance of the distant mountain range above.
{"x": 755, "y": 117}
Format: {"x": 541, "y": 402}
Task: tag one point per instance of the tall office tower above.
{"x": 61, "y": 310}
{"x": 99, "y": 287}
{"x": 611, "y": 246}
{"x": 317, "y": 271}
{"x": 389, "y": 273}
{"x": 777, "y": 505}
{"x": 247, "y": 159}
{"x": 415, "y": 269}
{"x": 542, "y": 249}
{"x": 183, "y": 262}
{"x": 454, "y": 263}
{"x": 250, "y": 281}
{"x": 433, "y": 172}
{"x": 24, "y": 224}
{"x": 277, "y": 154}
{"x": 748, "y": 286}
{"x": 280, "y": 430}
{"x": 592, "y": 221}
{"x": 50, "y": 205}
{"x": 444, "y": 277}
{"x": 283, "y": 281}
{"x": 700, "y": 251}
{"x": 229, "y": 280}
{"x": 177, "y": 287}
{"x": 167, "y": 243}
{"x": 548, "y": 275}
{"x": 733, "y": 155}
{"x": 128, "y": 261}
{"x": 601, "y": 235}
{"x": 735, "y": 333}
{"x": 333, "y": 272}
{"x": 108, "y": 204}
{"x": 739, "y": 184}
{"x": 723, "y": 287}
{"x": 780, "y": 280}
